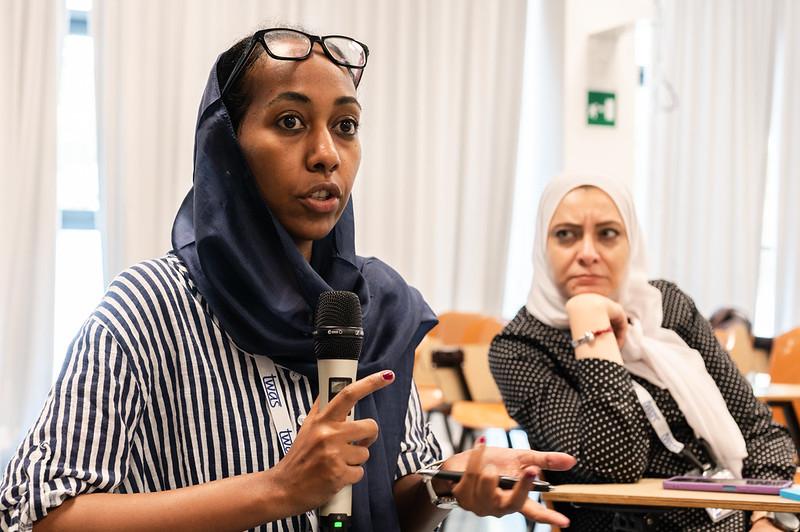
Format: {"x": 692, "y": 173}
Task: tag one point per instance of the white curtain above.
{"x": 714, "y": 80}
{"x": 540, "y": 143}
{"x": 30, "y": 35}
{"x": 152, "y": 58}
{"x": 442, "y": 111}
{"x": 441, "y": 105}
{"x": 787, "y": 131}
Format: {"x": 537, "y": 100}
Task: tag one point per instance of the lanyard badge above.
{"x": 664, "y": 433}
{"x": 279, "y": 413}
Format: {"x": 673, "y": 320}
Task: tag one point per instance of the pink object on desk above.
{"x": 733, "y": 485}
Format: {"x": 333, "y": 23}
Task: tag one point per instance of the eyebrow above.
{"x": 344, "y": 100}
{"x": 290, "y": 96}
{"x": 302, "y": 98}
{"x": 599, "y": 224}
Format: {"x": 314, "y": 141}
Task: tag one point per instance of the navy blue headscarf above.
{"x": 264, "y": 292}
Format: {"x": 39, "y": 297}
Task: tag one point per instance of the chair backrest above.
{"x": 471, "y": 333}
{"x": 736, "y": 339}
{"x": 460, "y": 328}
{"x": 784, "y": 364}
{"x": 423, "y": 368}
{"x": 478, "y": 375}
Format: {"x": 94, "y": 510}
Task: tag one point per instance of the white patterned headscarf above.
{"x": 652, "y": 352}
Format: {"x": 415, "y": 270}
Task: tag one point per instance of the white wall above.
{"x": 554, "y": 137}
{"x": 599, "y": 55}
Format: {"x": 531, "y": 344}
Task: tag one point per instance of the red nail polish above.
{"x": 481, "y": 440}
{"x": 388, "y": 375}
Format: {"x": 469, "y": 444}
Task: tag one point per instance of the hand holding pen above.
{"x": 479, "y": 489}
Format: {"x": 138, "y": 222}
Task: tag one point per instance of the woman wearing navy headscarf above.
{"x": 159, "y": 419}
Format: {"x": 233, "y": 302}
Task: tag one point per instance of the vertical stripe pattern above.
{"x": 154, "y": 395}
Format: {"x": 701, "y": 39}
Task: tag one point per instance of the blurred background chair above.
{"x": 755, "y": 356}
{"x": 452, "y": 366}
{"x": 734, "y": 332}
{"x": 431, "y": 396}
{"x": 784, "y": 368}
{"x": 785, "y": 357}
{"x": 452, "y": 370}
{"x": 459, "y": 328}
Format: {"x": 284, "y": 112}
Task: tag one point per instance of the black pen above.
{"x": 506, "y": 483}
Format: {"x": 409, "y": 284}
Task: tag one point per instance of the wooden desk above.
{"x": 481, "y": 416}
{"x": 778, "y": 392}
{"x": 649, "y": 493}
{"x": 781, "y": 396}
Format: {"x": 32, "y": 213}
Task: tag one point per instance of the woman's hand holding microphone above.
{"x": 329, "y": 451}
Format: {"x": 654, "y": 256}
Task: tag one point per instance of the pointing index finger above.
{"x": 346, "y": 399}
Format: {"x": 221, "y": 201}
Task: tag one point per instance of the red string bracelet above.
{"x": 589, "y": 336}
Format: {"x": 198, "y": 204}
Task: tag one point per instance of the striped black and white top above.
{"x": 154, "y": 395}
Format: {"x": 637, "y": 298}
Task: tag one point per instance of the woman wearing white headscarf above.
{"x": 596, "y": 343}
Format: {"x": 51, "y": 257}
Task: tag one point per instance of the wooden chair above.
{"x": 462, "y": 371}
{"x": 784, "y": 365}
{"x": 736, "y": 339}
{"x": 459, "y": 328}
{"x": 431, "y": 396}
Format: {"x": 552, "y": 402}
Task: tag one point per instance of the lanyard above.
{"x": 279, "y": 414}
{"x": 660, "y": 426}
{"x": 659, "y": 423}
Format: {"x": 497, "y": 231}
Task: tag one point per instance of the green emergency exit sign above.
{"x": 601, "y": 109}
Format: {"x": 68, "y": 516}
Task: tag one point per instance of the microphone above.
{"x": 338, "y": 337}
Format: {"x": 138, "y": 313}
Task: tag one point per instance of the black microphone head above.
{"x": 337, "y": 325}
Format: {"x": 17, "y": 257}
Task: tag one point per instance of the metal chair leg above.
{"x": 466, "y": 434}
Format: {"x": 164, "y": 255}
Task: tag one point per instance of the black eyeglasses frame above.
{"x": 258, "y": 38}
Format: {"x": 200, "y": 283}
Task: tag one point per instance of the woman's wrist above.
{"x": 272, "y": 496}
{"x": 589, "y": 313}
{"x": 444, "y": 488}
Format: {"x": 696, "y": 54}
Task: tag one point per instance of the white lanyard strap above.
{"x": 279, "y": 413}
{"x": 278, "y": 409}
{"x": 657, "y": 420}
{"x": 659, "y": 423}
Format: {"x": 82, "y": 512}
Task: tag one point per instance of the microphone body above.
{"x": 338, "y": 337}
{"x": 333, "y": 376}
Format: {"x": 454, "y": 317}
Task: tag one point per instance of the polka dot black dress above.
{"x": 588, "y": 408}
